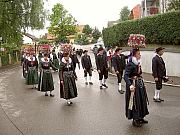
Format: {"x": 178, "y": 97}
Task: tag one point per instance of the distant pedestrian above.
{"x": 136, "y": 96}
{"x": 68, "y": 77}
{"x": 102, "y": 67}
{"x": 74, "y": 59}
{"x": 109, "y": 58}
{"x": 54, "y": 59}
{"x": 87, "y": 66}
{"x": 119, "y": 63}
{"x": 158, "y": 72}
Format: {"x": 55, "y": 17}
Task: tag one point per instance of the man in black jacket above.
{"x": 119, "y": 63}
{"x": 75, "y": 60}
{"x": 102, "y": 67}
{"x": 158, "y": 72}
{"x": 87, "y": 66}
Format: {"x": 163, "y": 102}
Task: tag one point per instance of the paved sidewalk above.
{"x": 149, "y": 77}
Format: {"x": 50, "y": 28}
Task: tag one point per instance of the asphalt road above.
{"x": 25, "y": 111}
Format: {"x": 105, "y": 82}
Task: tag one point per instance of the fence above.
{"x": 9, "y": 58}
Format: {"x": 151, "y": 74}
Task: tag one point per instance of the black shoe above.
{"x": 86, "y": 83}
{"x": 46, "y": 94}
{"x": 105, "y": 85}
{"x": 162, "y": 100}
{"x": 90, "y": 83}
{"x": 101, "y": 87}
{"x": 156, "y": 100}
{"x": 121, "y": 91}
{"x": 143, "y": 121}
{"x": 136, "y": 123}
{"x": 51, "y": 95}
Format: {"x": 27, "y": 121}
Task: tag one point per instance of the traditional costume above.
{"x": 54, "y": 59}
{"x": 119, "y": 63}
{"x": 32, "y": 71}
{"x": 102, "y": 68}
{"x": 159, "y": 72}
{"x": 46, "y": 79}
{"x": 136, "y": 102}
{"x": 87, "y": 66}
{"x": 67, "y": 75}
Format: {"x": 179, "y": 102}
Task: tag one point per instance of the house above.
{"x": 79, "y": 29}
{"x": 151, "y": 7}
{"x": 135, "y": 12}
{"x": 49, "y": 37}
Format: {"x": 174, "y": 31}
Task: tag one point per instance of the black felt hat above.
{"x": 159, "y": 49}
{"x": 85, "y": 51}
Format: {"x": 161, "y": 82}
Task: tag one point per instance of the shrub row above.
{"x": 158, "y": 29}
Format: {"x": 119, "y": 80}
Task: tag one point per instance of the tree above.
{"x": 16, "y": 16}
{"x": 43, "y": 41}
{"x": 82, "y": 39}
{"x": 174, "y": 5}
{"x": 62, "y": 23}
{"x": 96, "y": 34}
{"x": 87, "y": 30}
{"x": 124, "y": 14}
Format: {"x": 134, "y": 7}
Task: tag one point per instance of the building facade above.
{"x": 151, "y": 7}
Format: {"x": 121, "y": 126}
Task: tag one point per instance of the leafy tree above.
{"x": 96, "y": 34}
{"x": 87, "y": 30}
{"x": 174, "y": 5}
{"x": 16, "y": 16}
{"x": 124, "y": 14}
{"x": 43, "y": 41}
{"x": 82, "y": 39}
{"x": 62, "y": 23}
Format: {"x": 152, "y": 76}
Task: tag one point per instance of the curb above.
{"x": 151, "y": 82}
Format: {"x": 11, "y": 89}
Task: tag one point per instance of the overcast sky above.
{"x": 92, "y": 12}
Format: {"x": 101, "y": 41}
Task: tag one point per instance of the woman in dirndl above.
{"x": 46, "y": 79}
{"x": 32, "y": 71}
{"x": 54, "y": 59}
{"x": 67, "y": 75}
{"x": 136, "y": 96}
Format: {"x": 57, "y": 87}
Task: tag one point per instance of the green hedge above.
{"x": 158, "y": 29}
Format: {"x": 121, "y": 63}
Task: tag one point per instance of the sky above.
{"x": 93, "y": 12}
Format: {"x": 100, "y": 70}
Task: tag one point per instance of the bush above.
{"x": 158, "y": 29}
{"x": 5, "y": 59}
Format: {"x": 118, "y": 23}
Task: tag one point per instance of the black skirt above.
{"x": 139, "y": 107}
{"x": 68, "y": 89}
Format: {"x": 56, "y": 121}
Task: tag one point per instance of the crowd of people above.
{"x": 65, "y": 63}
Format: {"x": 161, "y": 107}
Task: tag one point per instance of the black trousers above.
{"x": 119, "y": 76}
{"x": 159, "y": 84}
{"x": 104, "y": 72}
{"x": 89, "y": 71}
